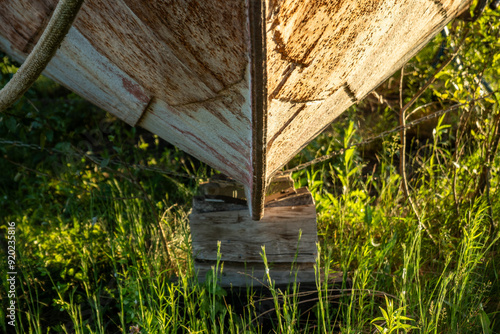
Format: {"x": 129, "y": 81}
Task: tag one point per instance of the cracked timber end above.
{"x": 220, "y": 214}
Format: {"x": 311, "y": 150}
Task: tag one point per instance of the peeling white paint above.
{"x": 82, "y": 69}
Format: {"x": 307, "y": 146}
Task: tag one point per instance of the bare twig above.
{"x": 402, "y": 135}
{"x": 382, "y": 100}
{"x": 402, "y": 158}
{"x": 464, "y": 120}
{"x": 431, "y": 80}
{"x": 42, "y": 173}
{"x": 419, "y": 108}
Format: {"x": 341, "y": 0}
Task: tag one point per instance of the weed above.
{"x": 104, "y": 247}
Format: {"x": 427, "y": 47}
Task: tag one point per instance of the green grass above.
{"x": 103, "y": 247}
{"x": 104, "y": 266}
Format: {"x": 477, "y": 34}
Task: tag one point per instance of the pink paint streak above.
{"x": 135, "y": 90}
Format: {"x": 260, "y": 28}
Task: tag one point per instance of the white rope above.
{"x": 52, "y": 37}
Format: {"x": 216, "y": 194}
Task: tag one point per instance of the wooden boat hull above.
{"x": 242, "y": 85}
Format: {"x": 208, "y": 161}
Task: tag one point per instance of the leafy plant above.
{"x": 393, "y": 319}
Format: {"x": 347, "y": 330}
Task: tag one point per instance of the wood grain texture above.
{"x": 56, "y": 30}
{"x": 323, "y": 56}
{"x": 80, "y": 68}
{"x": 217, "y": 131}
{"x": 186, "y": 62}
{"x": 255, "y": 275}
{"x": 242, "y": 239}
{"x": 278, "y": 231}
{"x": 23, "y": 22}
{"x": 198, "y": 74}
{"x": 180, "y": 51}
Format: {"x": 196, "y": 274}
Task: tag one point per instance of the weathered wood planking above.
{"x": 228, "y": 148}
{"x": 79, "y": 67}
{"x": 180, "y": 51}
{"x": 242, "y": 85}
{"x": 242, "y": 239}
{"x": 252, "y": 275}
{"x": 323, "y": 56}
{"x": 179, "y": 69}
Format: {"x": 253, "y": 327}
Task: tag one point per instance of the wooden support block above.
{"x": 220, "y": 214}
{"x": 223, "y": 187}
{"x": 242, "y": 239}
{"x": 203, "y": 205}
{"x": 219, "y": 194}
{"x": 290, "y": 197}
{"x": 279, "y": 183}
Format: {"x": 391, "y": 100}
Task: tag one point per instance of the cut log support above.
{"x": 287, "y": 232}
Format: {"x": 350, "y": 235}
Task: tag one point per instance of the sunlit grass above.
{"x": 106, "y": 248}
{"x": 111, "y": 272}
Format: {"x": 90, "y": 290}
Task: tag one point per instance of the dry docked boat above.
{"x": 242, "y": 85}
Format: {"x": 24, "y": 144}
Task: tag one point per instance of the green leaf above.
{"x": 385, "y": 315}
{"x": 380, "y": 329}
{"x": 17, "y": 177}
{"x": 485, "y": 322}
{"x": 368, "y": 214}
{"x": 348, "y": 155}
{"x": 352, "y": 171}
{"x": 104, "y": 162}
{"x": 50, "y": 135}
